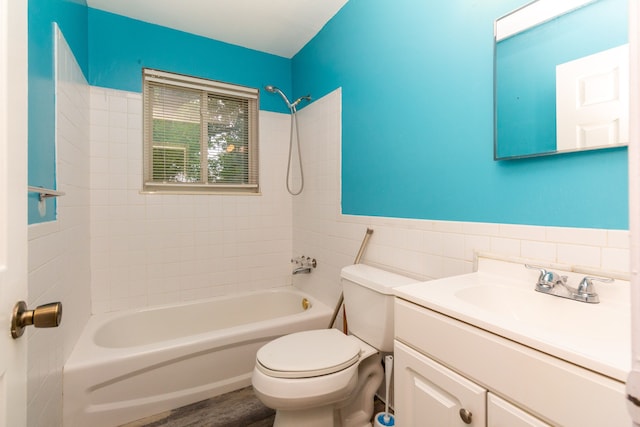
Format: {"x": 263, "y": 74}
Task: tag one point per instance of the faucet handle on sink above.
{"x": 586, "y": 287}
{"x": 547, "y": 279}
{"x": 542, "y": 270}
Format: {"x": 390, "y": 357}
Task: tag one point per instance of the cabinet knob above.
{"x": 465, "y": 416}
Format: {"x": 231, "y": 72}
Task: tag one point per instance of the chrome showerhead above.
{"x": 291, "y": 106}
{"x": 274, "y": 89}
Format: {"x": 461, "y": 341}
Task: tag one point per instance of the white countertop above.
{"x": 500, "y": 298}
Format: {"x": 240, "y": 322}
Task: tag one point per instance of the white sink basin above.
{"x": 595, "y": 336}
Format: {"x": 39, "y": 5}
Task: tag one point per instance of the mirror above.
{"x": 561, "y": 78}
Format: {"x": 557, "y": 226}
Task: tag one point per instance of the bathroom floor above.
{"x": 239, "y": 408}
{"x": 236, "y": 409}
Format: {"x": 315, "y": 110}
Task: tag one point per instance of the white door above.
{"x": 13, "y": 205}
{"x": 633, "y": 382}
{"x": 592, "y": 100}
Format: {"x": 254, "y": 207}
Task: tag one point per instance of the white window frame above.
{"x": 206, "y": 88}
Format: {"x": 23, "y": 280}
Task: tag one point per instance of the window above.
{"x": 199, "y": 135}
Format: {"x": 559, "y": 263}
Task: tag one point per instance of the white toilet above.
{"x": 323, "y": 378}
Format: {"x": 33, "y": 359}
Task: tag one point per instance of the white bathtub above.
{"x": 133, "y": 364}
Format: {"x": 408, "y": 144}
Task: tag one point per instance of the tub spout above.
{"x": 303, "y": 265}
{"x": 302, "y": 270}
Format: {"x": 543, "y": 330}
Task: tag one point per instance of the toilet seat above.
{"x": 308, "y": 354}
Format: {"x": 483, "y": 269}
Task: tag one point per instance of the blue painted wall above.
{"x": 71, "y": 17}
{"x": 417, "y": 107}
{"x": 120, "y": 47}
{"x": 526, "y": 72}
{"x": 417, "y": 122}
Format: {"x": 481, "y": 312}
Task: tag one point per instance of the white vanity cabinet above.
{"x": 429, "y": 394}
{"x": 451, "y": 373}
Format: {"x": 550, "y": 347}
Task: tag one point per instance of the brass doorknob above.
{"x": 44, "y": 316}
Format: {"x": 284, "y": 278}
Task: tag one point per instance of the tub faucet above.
{"x": 553, "y": 284}
{"x": 303, "y": 265}
{"x": 301, "y": 270}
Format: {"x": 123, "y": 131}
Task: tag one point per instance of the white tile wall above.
{"x": 421, "y": 249}
{"x": 59, "y": 250}
{"x": 149, "y": 249}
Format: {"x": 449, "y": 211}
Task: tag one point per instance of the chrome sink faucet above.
{"x": 553, "y": 284}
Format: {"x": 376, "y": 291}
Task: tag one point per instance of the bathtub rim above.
{"x": 86, "y": 352}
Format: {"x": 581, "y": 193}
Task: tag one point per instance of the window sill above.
{"x": 177, "y": 189}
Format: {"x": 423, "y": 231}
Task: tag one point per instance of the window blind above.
{"x": 199, "y": 135}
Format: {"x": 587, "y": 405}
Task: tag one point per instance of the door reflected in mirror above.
{"x": 561, "y": 78}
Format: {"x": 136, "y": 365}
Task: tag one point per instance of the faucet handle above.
{"x": 586, "y": 284}
{"x": 542, "y": 270}
{"x": 546, "y": 278}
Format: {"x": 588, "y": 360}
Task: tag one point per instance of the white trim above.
{"x": 197, "y": 185}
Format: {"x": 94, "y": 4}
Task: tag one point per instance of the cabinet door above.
{"x": 501, "y": 413}
{"x": 428, "y": 394}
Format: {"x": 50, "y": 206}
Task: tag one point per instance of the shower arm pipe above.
{"x": 363, "y": 246}
{"x": 297, "y": 101}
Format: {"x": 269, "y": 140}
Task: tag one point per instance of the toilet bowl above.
{"x": 298, "y": 377}
{"x": 324, "y": 378}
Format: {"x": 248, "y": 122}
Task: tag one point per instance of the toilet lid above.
{"x": 308, "y": 354}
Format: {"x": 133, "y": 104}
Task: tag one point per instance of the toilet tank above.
{"x": 368, "y": 300}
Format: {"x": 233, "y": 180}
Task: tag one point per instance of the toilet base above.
{"x": 355, "y": 411}
{"x": 316, "y": 417}
{"x": 358, "y": 410}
